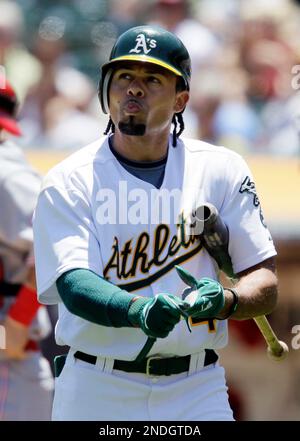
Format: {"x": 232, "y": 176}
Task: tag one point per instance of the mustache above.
{"x": 132, "y": 128}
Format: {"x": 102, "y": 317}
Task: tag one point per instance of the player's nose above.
{"x": 135, "y": 88}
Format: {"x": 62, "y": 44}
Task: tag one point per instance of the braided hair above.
{"x": 177, "y": 119}
{"x": 110, "y": 128}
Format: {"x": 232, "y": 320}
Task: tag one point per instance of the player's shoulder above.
{"x": 211, "y": 151}
{"x": 79, "y": 163}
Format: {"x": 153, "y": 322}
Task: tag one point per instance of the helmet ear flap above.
{"x": 103, "y": 90}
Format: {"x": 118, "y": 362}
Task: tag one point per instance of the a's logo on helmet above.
{"x": 143, "y": 44}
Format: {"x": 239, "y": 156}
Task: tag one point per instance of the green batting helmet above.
{"x": 151, "y": 44}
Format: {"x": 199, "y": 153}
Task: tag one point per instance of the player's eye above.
{"x": 124, "y": 76}
{"x": 154, "y": 80}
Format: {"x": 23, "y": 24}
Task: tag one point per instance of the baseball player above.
{"x": 139, "y": 300}
{"x": 26, "y": 383}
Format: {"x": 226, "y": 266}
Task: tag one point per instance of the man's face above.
{"x": 143, "y": 98}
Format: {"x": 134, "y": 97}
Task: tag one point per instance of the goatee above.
{"x": 131, "y": 128}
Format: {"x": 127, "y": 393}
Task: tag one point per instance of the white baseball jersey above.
{"x": 19, "y": 188}
{"x": 93, "y": 214}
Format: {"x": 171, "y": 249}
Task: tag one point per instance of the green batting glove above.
{"x": 205, "y": 296}
{"x": 157, "y": 316}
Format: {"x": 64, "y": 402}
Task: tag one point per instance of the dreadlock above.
{"x": 110, "y": 127}
{"x": 177, "y": 119}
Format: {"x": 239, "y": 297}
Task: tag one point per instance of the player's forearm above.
{"x": 257, "y": 292}
{"x": 93, "y": 298}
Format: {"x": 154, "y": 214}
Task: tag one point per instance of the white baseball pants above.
{"x": 99, "y": 393}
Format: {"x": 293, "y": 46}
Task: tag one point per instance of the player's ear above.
{"x": 181, "y": 100}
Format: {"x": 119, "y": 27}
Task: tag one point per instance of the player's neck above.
{"x": 141, "y": 148}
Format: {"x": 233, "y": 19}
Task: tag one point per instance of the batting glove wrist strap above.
{"x": 135, "y": 308}
{"x": 157, "y": 316}
{"x": 205, "y": 296}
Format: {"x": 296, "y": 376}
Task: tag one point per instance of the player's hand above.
{"x": 16, "y": 338}
{"x": 156, "y": 317}
{"x": 205, "y": 296}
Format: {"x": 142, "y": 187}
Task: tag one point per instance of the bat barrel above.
{"x": 277, "y": 350}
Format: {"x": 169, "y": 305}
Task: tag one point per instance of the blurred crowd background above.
{"x": 244, "y": 95}
{"x": 245, "y": 60}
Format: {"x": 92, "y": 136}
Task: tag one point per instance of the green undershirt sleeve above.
{"x": 93, "y": 298}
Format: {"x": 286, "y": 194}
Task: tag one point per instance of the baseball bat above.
{"x": 215, "y": 235}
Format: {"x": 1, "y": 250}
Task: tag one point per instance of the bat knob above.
{"x": 280, "y": 354}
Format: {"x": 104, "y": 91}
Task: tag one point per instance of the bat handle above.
{"x": 146, "y": 348}
{"x": 277, "y": 350}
